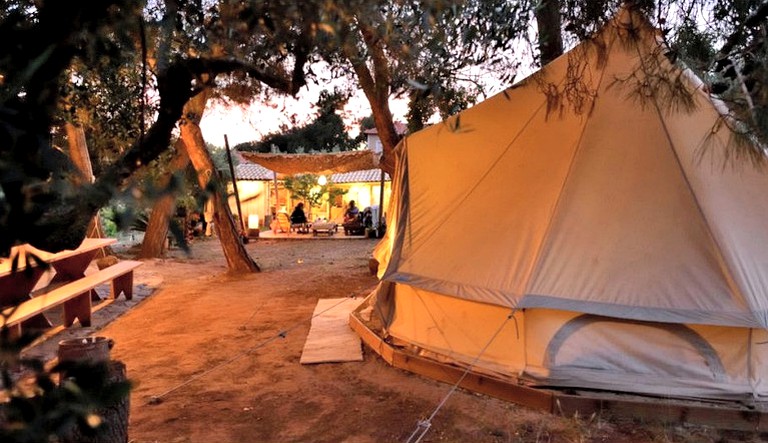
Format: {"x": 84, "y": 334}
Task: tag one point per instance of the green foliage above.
{"x": 219, "y": 157}
{"x": 333, "y": 192}
{"x": 424, "y": 50}
{"x": 325, "y": 133}
{"x": 107, "y": 216}
{"x": 367, "y": 123}
{"x": 106, "y": 100}
{"x": 445, "y": 100}
{"x": 306, "y": 188}
{"x": 53, "y": 410}
{"x": 694, "y": 46}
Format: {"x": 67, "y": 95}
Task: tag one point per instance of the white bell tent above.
{"x": 585, "y": 228}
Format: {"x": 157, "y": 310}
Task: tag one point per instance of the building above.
{"x": 262, "y": 191}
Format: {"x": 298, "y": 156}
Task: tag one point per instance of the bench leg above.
{"x": 14, "y": 331}
{"x": 78, "y": 308}
{"x": 124, "y": 284}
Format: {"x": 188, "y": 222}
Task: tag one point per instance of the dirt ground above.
{"x": 215, "y": 358}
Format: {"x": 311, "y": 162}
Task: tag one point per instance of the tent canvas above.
{"x": 585, "y": 230}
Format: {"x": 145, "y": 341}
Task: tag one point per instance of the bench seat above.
{"x": 75, "y": 296}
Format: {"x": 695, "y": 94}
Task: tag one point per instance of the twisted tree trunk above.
{"x": 237, "y": 257}
{"x": 78, "y": 152}
{"x": 157, "y": 228}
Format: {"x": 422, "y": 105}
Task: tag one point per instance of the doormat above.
{"x": 330, "y": 338}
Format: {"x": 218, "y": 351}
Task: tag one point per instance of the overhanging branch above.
{"x": 753, "y": 20}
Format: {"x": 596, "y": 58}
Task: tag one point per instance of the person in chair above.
{"x": 353, "y": 224}
{"x": 298, "y": 216}
{"x": 351, "y": 213}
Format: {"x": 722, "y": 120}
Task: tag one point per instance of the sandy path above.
{"x": 205, "y": 342}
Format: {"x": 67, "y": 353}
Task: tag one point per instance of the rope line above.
{"x": 423, "y": 426}
{"x": 156, "y": 399}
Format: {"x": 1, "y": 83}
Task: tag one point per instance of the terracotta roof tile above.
{"x": 367, "y": 175}
{"x": 252, "y": 171}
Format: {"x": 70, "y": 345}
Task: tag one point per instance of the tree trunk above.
{"x": 157, "y": 228}
{"x": 78, "y": 152}
{"x": 549, "y": 22}
{"x": 376, "y": 86}
{"x": 237, "y": 257}
{"x": 114, "y": 428}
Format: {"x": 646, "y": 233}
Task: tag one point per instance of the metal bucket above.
{"x": 90, "y": 350}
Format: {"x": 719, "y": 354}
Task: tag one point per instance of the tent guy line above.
{"x": 423, "y": 426}
{"x": 482, "y": 178}
{"x": 157, "y": 399}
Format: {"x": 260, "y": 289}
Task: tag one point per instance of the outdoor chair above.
{"x": 301, "y": 228}
{"x": 355, "y": 226}
{"x": 282, "y": 223}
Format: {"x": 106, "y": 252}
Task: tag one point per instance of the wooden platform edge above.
{"x": 522, "y": 395}
{"x": 663, "y": 411}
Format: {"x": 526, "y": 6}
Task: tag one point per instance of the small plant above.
{"x": 107, "y": 221}
{"x": 41, "y": 410}
{"x": 307, "y": 188}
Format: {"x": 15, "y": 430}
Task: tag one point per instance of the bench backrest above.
{"x": 61, "y": 294}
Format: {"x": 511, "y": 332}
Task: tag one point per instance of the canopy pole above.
{"x": 277, "y": 196}
{"x": 381, "y": 199}
{"x": 234, "y": 186}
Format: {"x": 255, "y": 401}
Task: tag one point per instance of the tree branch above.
{"x": 755, "y": 19}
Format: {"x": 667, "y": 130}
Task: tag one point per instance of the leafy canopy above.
{"x": 326, "y": 133}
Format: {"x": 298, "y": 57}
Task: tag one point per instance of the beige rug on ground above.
{"x": 330, "y": 338}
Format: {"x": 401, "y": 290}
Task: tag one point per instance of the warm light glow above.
{"x": 322, "y": 181}
{"x": 253, "y": 221}
{"x": 361, "y": 194}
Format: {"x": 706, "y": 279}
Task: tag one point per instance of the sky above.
{"x": 247, "y": 123}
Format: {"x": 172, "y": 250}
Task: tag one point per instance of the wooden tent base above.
{"x": 723, "y": 415}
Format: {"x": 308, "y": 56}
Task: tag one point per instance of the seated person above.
{"x": 353, "y": 222}
{"x": 298, "y": 216}
{"x": 367, "y": 217}
{"x": 351, "y": 213}
{"x": 195, "y": 227}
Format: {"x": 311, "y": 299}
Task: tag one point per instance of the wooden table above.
{"x": 69, "y": 265}
{"x": 329, "y": 228}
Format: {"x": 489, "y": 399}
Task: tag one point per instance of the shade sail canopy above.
{"x": 315, "y": 163}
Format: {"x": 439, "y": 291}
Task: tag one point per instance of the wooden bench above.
{"x": 75, "y": 296}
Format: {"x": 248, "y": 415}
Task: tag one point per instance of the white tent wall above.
{"x": 665, "y": 359}
{"x": 626, "y": 210}
{"x": 460, "y": 331}
{"x": 612, "y": 225}
{"x": 731, "y": 194}
{"x": 568, "y": 349}
{"x": 451, "y": 195}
